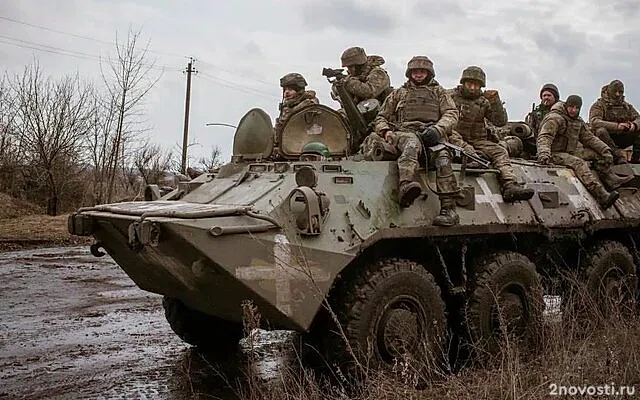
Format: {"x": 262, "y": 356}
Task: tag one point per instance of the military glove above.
{"x": 430, "y": 136}
{"x": 543, "y": 159}
{"x": 607, "y": 158}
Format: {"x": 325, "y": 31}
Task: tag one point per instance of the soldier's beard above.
{"x": 470, "y": 94}
{"x": 420, "y": 82}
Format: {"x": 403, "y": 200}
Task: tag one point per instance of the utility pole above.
{"x": 185, "y": 135}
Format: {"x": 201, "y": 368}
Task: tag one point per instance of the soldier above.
{"x": 294, "y": 99}
{"x": 366, "y": 78}
{"x": 616, "y": 122}
{"x": 421, "y": 109}
{"x": 560, "y": 132}
{"x": 470, "y": 132}
{"x": 549, "y": 95}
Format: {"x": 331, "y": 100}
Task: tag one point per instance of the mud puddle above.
{"x": 75, "y": 326}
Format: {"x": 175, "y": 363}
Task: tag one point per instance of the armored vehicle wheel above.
{"x": 507, "y": 302}
{"x": 610, "y": 282}
{"x": 207, "y": 332}
{"x": 392, "y": 311}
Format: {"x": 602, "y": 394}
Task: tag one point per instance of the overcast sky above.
{"x": 243, "y": 47}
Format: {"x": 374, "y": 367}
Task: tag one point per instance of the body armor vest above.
{"x": 617, "y": 113}
{"x": 471, "y": 122}
{"x": 566, "y": 141}
{"x": 421, "y": 104}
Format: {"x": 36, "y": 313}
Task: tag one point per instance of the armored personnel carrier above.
{"x": 317, "y": 241}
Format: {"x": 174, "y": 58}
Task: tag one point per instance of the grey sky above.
{"x": 243, "y": 47}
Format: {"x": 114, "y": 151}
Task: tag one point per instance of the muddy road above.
{"x": 75, "y": 326}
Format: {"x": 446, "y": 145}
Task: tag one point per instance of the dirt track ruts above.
{"x": 75, "y": 326}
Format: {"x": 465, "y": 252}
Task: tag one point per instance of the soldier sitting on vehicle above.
{"x": 549, "y": 95}
{"x": 616, "y": 122}
{"x": 294, "y": 99}
{"x": 366, "y": 78}
{"x": 560, "y": 132}
{"x": 421, "y": 109}
{"x": 470, "y": 132}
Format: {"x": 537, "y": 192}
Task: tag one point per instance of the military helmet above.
{"x": 422, "y": 62}
{"x": 316, "y": 148}
{"x": 474, "y": 73}
{"x": 551, "y": 88}
{"x": 353, "y": 56}
{"x": 293, "y": 80}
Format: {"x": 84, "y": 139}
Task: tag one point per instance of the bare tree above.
{"x": 128, "y": 83}
{"x": 52, "y": 121}
{"x": 10, "y": 154}
{"x": 151, "y": 162}
{"x": 214, "y": 160}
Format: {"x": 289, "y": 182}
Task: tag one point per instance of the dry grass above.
{"x": 605, "y": 353}
{"x": 37, "y": 231}
{"x": 15, "y": 208}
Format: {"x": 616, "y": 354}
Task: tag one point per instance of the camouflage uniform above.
{"x": 470, "y": 132}
{"x": 558, "y": 140}
{"x": 604, "y": 116}
{"x": 371, "y": 81}
{"x": 407, "y": 110}
{"x": 288, "y": 107}
{"x": 535, "y": 117}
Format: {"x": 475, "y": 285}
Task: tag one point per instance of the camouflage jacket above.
{"x": 534, "y": 118}
{"x": 390, "y": 115}
{"x": 605, "y": 113}
{"x": 290, "y": 107}
{"x": 373, "y": 82}
{"x": 473, "y": 112}
{"x": 560, "y": 133}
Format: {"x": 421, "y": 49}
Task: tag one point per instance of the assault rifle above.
{"x": 359, "y": 127}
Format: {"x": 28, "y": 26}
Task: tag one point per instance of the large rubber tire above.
{"x": 506, "y": 282}
{"x": 391, "y": 309}
{"x": 211, "y": 334}
{"x": 610, "y": 283}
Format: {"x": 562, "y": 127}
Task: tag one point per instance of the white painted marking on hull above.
{"x": 492, "y": 199}
{"x": 285, "y": 269}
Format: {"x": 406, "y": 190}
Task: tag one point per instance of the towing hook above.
{"x": 95, "y": 249}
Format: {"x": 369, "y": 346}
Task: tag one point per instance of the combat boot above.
{"x": 604, "y": 198}
{"x": 612, "y": 181}
{"x": 619, "y": 157}
{"x": 408, "y": 192}
{"x": 513, "y": 192}
{"x": 448, "y": 215}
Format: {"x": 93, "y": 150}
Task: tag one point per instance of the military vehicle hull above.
{"x": 322, "y": 246}
{"x": 214, "y": 248}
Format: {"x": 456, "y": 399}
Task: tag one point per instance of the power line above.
{"x": 237, "y": 86}
{"x": 79, "y": 36}
{"x": 65, "y": 52}
{"x": 114, "y": 43}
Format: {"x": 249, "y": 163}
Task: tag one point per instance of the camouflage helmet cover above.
{"x": 420, "y": 62}
{"x": 293, "y": 80}
{"x": 353, "y": 56}
{"x": 316, "y": 148}
{"x": 474, "y": 73}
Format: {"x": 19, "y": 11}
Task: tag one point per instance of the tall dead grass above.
{"x": 588, "y": 345}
